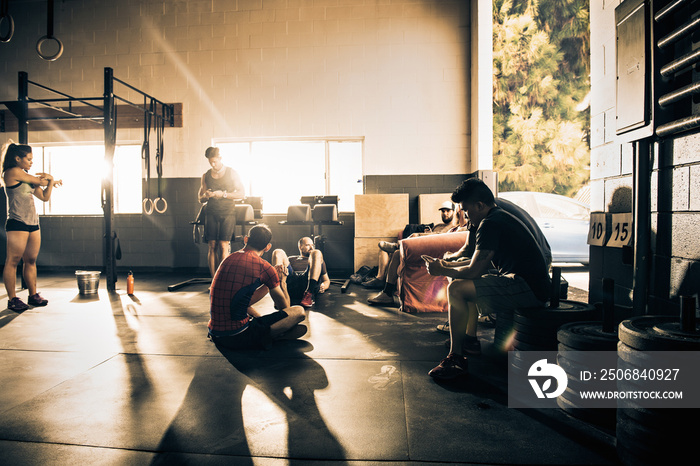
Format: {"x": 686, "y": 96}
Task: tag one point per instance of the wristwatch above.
{"x": 225, "y": 195}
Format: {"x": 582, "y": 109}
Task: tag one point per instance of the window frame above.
{"x": 46, "y": 166}
{"x": 326, "y": 140}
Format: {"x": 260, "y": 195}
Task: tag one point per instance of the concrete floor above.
{"x": 119, "y": 379}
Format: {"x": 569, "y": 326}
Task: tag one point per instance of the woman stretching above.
{"x": 23, "y": 235}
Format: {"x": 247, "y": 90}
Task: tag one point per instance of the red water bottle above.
{"x": 130, "y": 283}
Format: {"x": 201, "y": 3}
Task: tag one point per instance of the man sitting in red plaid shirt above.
{"x": 243, "y": 279}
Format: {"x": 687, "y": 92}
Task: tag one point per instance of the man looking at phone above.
{"x": 502, "y": 242}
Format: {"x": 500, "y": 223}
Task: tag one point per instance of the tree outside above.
{"x": 541, "y": 86}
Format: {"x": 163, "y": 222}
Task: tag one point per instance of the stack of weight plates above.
{"x": 575, "y": 339}
{"x": 654, "y": 435}
{"x": 536, "y": 328}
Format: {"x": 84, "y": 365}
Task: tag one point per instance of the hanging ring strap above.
{"x": 49, "y": 36}
{"x": 5, "y": 15}
{"x": 148, "y": 205}
{"x": 160, "y": 128}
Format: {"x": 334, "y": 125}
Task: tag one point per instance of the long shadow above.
{"x": 7, "y": 316}
{"x": 290, "y": 382}
{"x": 139, "y": 380}
{"x": 488, "y": 373}
{"x": 398, "y": 334}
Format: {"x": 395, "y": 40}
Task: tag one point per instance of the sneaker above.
{"x": 388, "y": 247}
{"x": 444, "y": 328}
{"x": 17, "y": 305}
{"x": 307, "y": 300}
{"x": 37, "y": 300}
{"x": 469, "y": 346}
{"x": 374, "y": 284}
{"x": 293, "y": 333}
{"x": 359, "y": 276}
{"x": 451, "y": 367}
{"x": 381, "y": 299}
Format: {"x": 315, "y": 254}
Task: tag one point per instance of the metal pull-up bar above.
{"x": 158, "y": 111}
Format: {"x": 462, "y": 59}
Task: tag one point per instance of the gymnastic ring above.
{"x": 11, "y": 32}
{"x": 53, "y": 57}
{"x": 148, "y": 210}
{"x": 165, "y": 204}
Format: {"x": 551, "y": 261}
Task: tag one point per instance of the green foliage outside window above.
{"x": 541, "y": 86}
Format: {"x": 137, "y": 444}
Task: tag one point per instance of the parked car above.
{"x": 564, "y": 222}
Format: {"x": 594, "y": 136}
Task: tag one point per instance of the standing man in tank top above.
{"x": 221, "y": 187}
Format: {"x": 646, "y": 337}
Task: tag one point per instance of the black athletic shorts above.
{"x": 16, "y": 225}
{"x": 256, "y": 336}
{"x": 219, "y": 226}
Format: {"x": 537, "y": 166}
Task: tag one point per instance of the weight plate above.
{"x": 503, "y": 345}
{"x": 657, "y": 333}
{"x": 565, "y": 309}
{"x": 572, "y": 366}
{"x": 549, "y": 341}
{"x": 536, "y": 328}
{"x": 587, "y": 336}
{"x": 522, "y": 346}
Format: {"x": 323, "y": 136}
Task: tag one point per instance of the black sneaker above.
{"x": 452, "y": 367}
{"x": 17, "y": 305}
{"x": 374, "y": 284}
{"x": 37, "y": 300}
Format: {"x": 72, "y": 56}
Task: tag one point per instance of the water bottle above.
{"x": 130, "y": 283}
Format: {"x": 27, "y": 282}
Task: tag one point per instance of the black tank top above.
{"x": 225, "y": 183}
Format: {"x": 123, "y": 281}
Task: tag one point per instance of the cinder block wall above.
{"x": 675, "y": 197}
{"x": 395, "y": 72}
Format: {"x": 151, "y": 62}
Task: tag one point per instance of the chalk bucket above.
{"x": 88, "y": 281}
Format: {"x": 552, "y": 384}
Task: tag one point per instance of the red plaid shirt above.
{"x": 237, "y": 278}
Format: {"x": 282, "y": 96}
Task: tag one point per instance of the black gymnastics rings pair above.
{"x": 149, "y": 205}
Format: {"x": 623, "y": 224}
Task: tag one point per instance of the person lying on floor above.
{"x": 243, "y": 279}
{"x": 304, "y": 276}
{"x": 521, "y": 278}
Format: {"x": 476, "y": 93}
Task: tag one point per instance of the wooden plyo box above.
{"x": 378, "y": 217}
{"x": 380, "y": 214}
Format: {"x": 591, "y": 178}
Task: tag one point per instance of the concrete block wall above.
{"x": 413, "y": 185}
{"x": 395, "y": 72}
{"x": 675, "y": 183}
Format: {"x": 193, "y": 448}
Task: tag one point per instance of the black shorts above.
{"x": 256, "y": 336}
{"x": 297, "y": 283}
{"x": 16, "y": 225}
{"x": 219, "y": 226}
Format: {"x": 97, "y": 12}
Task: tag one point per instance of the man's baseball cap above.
{"x": 447, "y": 205}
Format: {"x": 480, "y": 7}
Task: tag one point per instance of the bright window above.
{"x": 281, "y": 172}
{"x": 81, "y": 168}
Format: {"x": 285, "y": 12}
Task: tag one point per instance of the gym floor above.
{"x": 119, "y": 379}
